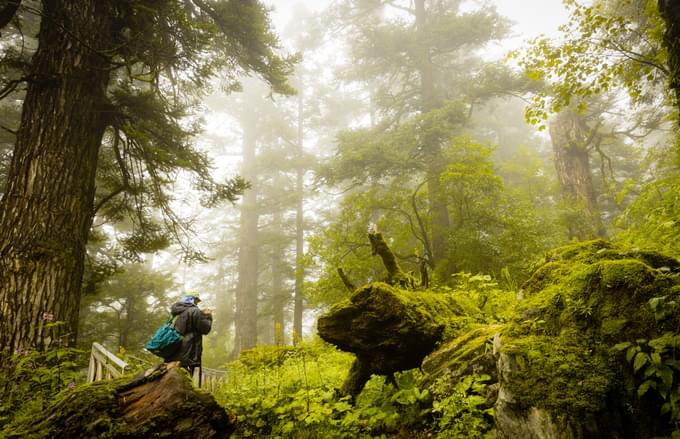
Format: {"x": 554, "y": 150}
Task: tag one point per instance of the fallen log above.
{"x": 161, "y": 402}
{"x": 391, "y": 329}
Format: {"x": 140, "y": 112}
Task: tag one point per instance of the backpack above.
{"x": 166, "y": 341}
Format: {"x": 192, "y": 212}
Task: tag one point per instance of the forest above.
{"x": 397, "y": 219}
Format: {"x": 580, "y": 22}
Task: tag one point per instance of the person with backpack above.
{"x": 192, "y": 323}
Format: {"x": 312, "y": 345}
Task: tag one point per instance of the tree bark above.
{"x": 163, "y": 403}
{"x": 571, "y": 139}
{"x": 280, "y": 296}
{"x": 670, "y": 12}
{"x": 395, "y": 275}
{"x": 47, "y": 207}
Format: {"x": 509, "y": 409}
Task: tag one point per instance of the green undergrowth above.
{"x": 30, "y": 380}
{"x": 290, "y": 392}
{"x": 85, "y": 409}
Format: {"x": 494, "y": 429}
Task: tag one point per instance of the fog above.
{"x": 384, "y": 107}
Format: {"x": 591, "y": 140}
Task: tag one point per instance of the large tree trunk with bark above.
{"x": 298, "y": 303}
{"x": 571, "y": 140}
{"x": 280, "y": 295}
{"x": 160, "y": 403}
{"x": 670, "y": 11}
{"x": 47, "y": 208}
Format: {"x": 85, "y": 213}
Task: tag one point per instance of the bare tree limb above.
{"x": 345, "y": 280}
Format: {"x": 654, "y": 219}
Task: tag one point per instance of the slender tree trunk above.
{"x": 47, "y": 207}
{"x": 224, "y": 305}
{"x": 571, "y": 140}
{"x": 670, "y": 11}
{"x": 439, "y": 214}
{"x": 130, "y": 317}
{"x": 279, "y": 296}
{"x": 299, "y": 227}
{"x": 246, "y": 289}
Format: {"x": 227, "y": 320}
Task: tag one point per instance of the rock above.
{"x": 560, "y": 376}
{"x": 470, "y": 353}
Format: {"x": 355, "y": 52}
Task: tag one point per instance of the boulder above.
{"x": 565, "y": 361}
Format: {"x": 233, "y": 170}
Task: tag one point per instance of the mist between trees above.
{"x": 150, "y": 149}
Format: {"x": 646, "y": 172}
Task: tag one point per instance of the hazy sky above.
{"x": 531, "y": 17}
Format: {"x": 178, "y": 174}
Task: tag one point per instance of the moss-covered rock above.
{"x": 467, "y": 354}
{"x": 556, "y": 355}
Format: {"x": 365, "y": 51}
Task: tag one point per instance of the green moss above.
{"x": 561, "y": 374}
{"x": 468, "y": 353}
{"x": 581, "y": 300}
{"x": 86, "y": 410}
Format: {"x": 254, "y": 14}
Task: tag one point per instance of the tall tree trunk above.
{"x": 130, "y": 317}
{"x": 439, "y": 214}
{"x": 47, "y": 207}
{"x": 670, "y": 11}
{"x": 299, "y": 226}
{"x": 571, "y": 139}
{"x": 246, "y": 289}
{"x": 279, "y": 296}
{"x": 224, "y": 305}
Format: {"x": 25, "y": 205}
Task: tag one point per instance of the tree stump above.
{"x": 388, "y": 325}
{"x": 390, "y": 329}
{"x": 162, "y": 402}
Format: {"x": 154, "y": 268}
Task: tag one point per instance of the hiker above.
{"x": 193, "y": 323}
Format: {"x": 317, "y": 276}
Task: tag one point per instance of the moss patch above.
{"x": 86, "y": 411}
{"x": 582, "y": 300}
{"x": 469, "y": 353}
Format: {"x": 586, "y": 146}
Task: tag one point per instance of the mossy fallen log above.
{"x": 390, "y": 329}
{"x": 160, "y": 403}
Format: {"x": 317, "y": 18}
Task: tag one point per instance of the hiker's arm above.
{"x": 181, "y": 323}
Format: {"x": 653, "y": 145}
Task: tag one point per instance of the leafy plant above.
{"x": 31, "y": 378}
{"x": 655, "y": 362}
{"x": 460, "y": 409}
{"x": 290, "y": 392}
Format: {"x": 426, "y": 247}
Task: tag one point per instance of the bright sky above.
{"x": 531, "y": 17}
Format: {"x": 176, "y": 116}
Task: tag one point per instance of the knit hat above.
{"x": 190, "y": 300}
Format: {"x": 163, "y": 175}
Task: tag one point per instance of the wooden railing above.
{"x": 104, "y": 365}
{"x": 210, "y": 378}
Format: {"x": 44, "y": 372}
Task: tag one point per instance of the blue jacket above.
{"x": 192, "y": 324}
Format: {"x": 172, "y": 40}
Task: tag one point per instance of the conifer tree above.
{"x": 110, "y": 79}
